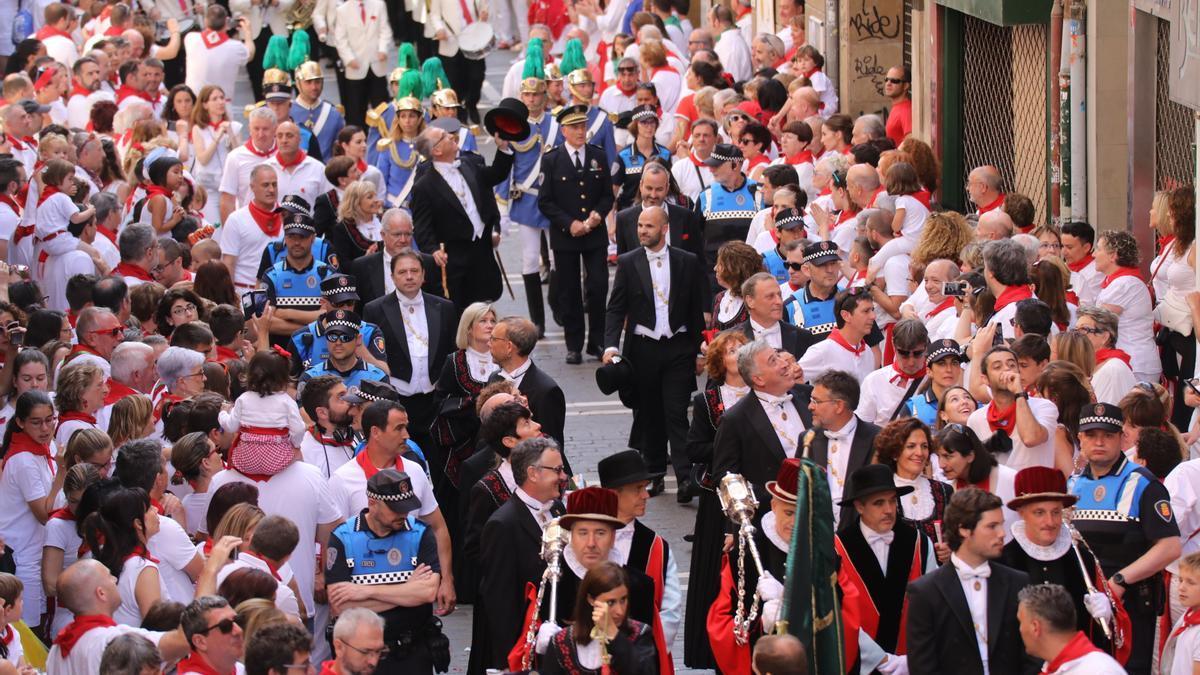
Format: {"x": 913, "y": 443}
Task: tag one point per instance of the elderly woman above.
{"x": 737, "y": 261}
{"x": 177, "y": 307}
{"x": 904, "y": 446}
{"x": 464, "y": 375}
{"x": 181, "y": 372}
{"x": 1113, "y": 375}
{"x": 725, "y": 388}
{"x": 79, "y": 395}
{"x": 358, "y": 230}
{"x": 1124, "y": 293}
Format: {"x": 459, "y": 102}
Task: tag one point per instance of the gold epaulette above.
{"x": 375, "y": 115}
{"x": 341, "y": 109}
{"x": 383, "y": 143}
{"x": 251, "y": 107}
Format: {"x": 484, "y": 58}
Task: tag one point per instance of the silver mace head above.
{"x": 737, "y": 498}
{"x": 554, "y": 537}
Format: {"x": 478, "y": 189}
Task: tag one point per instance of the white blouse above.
{"x": 918, "y": 505}
{"x": 729, "y": 307}
{"x": 480, "y": 365}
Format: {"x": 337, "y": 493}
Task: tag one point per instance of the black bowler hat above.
{"x": 509, "y": 120}
{"x": 871, "y": 479}
{"x": 395, "y": 489}
{"x": 623, "y": 468}
{"x": 617, "y": 376}
{"x": 1102, "y": 416}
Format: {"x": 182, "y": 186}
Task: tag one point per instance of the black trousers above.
{"x": 254, "y": 67}
{"x": 466, "y": 75}
{"x": 358, "y": 96}
{"x": 571, "y": 266}
{"x": 420, "y": 409}
{"x": 665, "y": 379}
{"x": 1144, "y": 602}
{"x": 1178, "y": 360}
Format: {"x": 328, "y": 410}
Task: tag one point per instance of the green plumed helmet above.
{"x": 410, "y": 85}
{"x": 534, "y": 61}
{"x": 433, "y": 75}
{"x": 276, "y": 55}
{"x": 406, "y": 57}
{"x": 299, "y": 51}
{"x": 572, "y": 59}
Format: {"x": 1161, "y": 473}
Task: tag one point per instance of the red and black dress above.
{"x": 632, "y": 652}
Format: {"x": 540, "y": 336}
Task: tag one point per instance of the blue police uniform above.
{"x": 361, "y": 370}
{"x": 379, "y": 121}
{"x": 599, "y": 132}
{"x": 924, "y": 406}
{"x": 1121, "y": 515}
{"x": 808, "y": 311}
{"x": 397, "y": 161}
{"x": 727, "y": 215}
{"x": 290, "y": 288}
{"x": 521, "y": 190}
{"x": 323, "y": 120}
{"x": 775, "y": 264}
{"x": 630, "y": 173}
{"x": 277, "y": 251}
{"x": 309, "y": 347}
{"x": 357, "y": 555}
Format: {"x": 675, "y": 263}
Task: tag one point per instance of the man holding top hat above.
{"x": 879, "y": 556}
{"x": 1041, "y": 547}
{"x": 444, "y": 104}
{"x": 344, "y": 337}
{"x": 1125, "y": 516}
{"x": 658, "y": 302}
{"x": 576, "y": 199}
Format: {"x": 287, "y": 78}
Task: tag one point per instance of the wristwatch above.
{"x": 1023, "y": 394}
{"x": 1119, "y": 579}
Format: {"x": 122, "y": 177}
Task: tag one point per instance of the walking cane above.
{"x": 503, "y": 274}
{"x": 445, "y": 286}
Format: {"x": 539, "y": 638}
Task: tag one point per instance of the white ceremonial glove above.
{"x": 770, "y": 614}
{"x": 895, "y": 665}
{"x": 545, "y": 634}
{"x": 1098, "y": 606}
{"x": 769, "y": 587}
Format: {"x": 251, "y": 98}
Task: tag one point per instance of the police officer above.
{"x": 727, "y": 206}
{"x": 343, "y": 339}
{"x": 309, "y": 111}
{"x": 309, "y": 346}
{"x": 1125, "y": 516}
{"x": 923, "y": 405}
{"x": 385, "y": 560}
{"x": 582, "y": 88}
{"x": 630, "y": 160}
{"x": 575, "y": 199}
{"x": 293, "y": 284}
{"x": 811, "y": 307}
{"x": 277, "y": 250}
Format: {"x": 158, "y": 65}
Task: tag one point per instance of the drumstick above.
{"x": 445, "y": 286}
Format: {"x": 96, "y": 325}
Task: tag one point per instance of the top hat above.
{"x": 1040, "y": 484}
{"x": 591, "y": 503}
{"x": 395, "y": 489}
{"x": 509, "y": 120}
{"x": 1102, "y": 416}
{"x": 617, "y": 376}
{"x": 940, "y": 349}
{"x": 339, "y": 288}
{"x": 369, "y": 391}
{"x": 821, "y": 253}
{"x": 623, "y": 468}
{"x": 784, "y": 485}
{"x": 722, "y": 153}
{"x": 341, "y": 321}
{"x": 871, "y": 479}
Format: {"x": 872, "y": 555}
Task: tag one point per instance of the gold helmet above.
{"x": 395, "y": 75}
{"x": 409, "y": 103}
{"x": 581, "y": 76}
{"x": 553, "y": 72}
{"x": 309, "y": 70}
{"x": 276, "y": 76}
{"x": 445, "y": 98}
{"x": 533, "y": 85}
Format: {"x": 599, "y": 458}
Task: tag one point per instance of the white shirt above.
{"x": 829, "y": 97}
{"x": 940, "y": 323}
{"x": 518, "y": 374}
{"x": 837, "y": 460}
{"x": 660, "y": 283}
{"x": 85, "y": 656}
{"x": 672, "y": 598}
{"x": 828, "y": 355}
{"x": 349, "y": 487}
{"x": 389, "y": 284}
{"x": 1094, "y": 663}
{"x": 539, "y": 510}
{"x": 1004, "y": 318}
{"x": 243, "y": 238}
{"x": 278, "y": 496}
{"x": 26, "y": 477}
{"x": 285, "y": 599}
{"x": 174, "y": 550}
{"x": 218, "y": 65}
{"x": 729, "y": 307}
{"x": 277, "y": 411}
{"x": 458, "y": 185}
{"x": 235, "y": 179}
{"x": 195, "y": 505}
{"x": 1111, "y": 380}
{"x": 1186, "y": 652}
{"x": 62, "y": 49}
{"x": 975, "y": 588}
{"x": 61, "y": 534}
{"x": 1086, "y": 283}
{"x": 785, "y": 420}
{"x": 734, "y": 54}
{"x": 1022, "y": 456}
{"x": 306, "y": 179}
{"x": 692, "y": 178}
{"x": 480, "y": 364}
{"x": 327, "y": 458}
{"x": 882, "y": 391}
{"x": 879, "y": 542}
{"x": 129, "y": 613}
{"x": 1183, "y": 484}
{"x": 416, "y": 332}
{"x": 773, "y": 335}
{"x": 1135, "y": 325}
{"x": 68, "y": 428}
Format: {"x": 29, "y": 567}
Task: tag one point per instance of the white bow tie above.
{"x": 982, "y": 572}
{"x": 781, "y": 403}
{"x": 405, "y": 302}
{"x": 885, "y": 537}
{"x": 773, "y": 330}
{"x": 656, "y": 255}
{"x": 834, "y": 436}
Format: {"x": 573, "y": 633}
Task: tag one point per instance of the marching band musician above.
{"x": 381, "y": 117}
{"x": 582, "y": 86}
{"x": 311, "y": 111}
{"x": 398, "y": 157}
{"x": 521, "y": 190}
{"x": 1041, "y": 547}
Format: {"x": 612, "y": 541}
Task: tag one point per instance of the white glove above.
{"x": 769, "y": 587}
{"x": 1098, "y": 606}
{"x": 770, "y": 614}
{"x": 545, "y": 634}
{"x": 895, "y": 665}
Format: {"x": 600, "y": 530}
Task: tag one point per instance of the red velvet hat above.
{"x": 784, "y": 485}
{"x": 1040, "y": 484}
{"x": 591, "y": 503}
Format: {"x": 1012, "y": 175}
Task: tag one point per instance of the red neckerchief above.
{"x": 902, "y": 379}
{"x": 47, "y": 192}
{"x": 225, "y": 355}
{"x": 991, "y": 207}
{"x": 51, "y": 31}
{"x": 1103, "y": 355}
{"x": 78, "y": 90}
{"x": 270, "y": 565}
{"x": 12, "y": 204}
{"x": 802, "y": 157}
{"x": 760, "y": 159}
{"x": 254, "y": 151}
{"x": 141, "y": 552}
{"x": 812, "y": 72}
{"x": 1078, "y": 647}
{"x": 1190, "y": 618}
{"x": 1012, "y": 294}
{"x": 21, "y": 442}
{"x": 78, "y": 349}
{"x": 112, "y": 236}
{"x": 843, "y": 216}
{"x": 300, "y": 156}
{"x": 194, "y": 663}
{"x": 362, "y": 165}
{"x": 270, "y": 222}
{"x": 65, "y": 513}
{"x": 661, "y": 69}
{"x": 1004, "y": 421}
{"x": 875, "y": 195}
{"x": 118, "y": 391}
{"x": 1078, "y": 265}
{"x": 946, "y": 304}
{"x": 126, "y": 269}
{"x": 69, "y": 636}
{"x": 1121, "y": 272}
{"x": 45, "y": 79}
{"x": 743, "y": 11}
{"x": 152, "y": 190}
{"x": 158, "y": 507}
{"x": 836, "y": 336}
{"x": 923, "y": 196}
{"x": 369, "y": 468}
{"x": 125, "y": 91}
{"x": 113, "y": 31}
{"x": 327, "y": 440}
{"x": 624, "y": 91}
{"x": 330, "y": 668}
{"x": 75, "y": 415}
{"x": 9, "y": 634}
{"x": 213, "y": 38}
{"x": 696, "y": 160}
{"x": 1164, "y": 242}
{"x": 826, "y": 192}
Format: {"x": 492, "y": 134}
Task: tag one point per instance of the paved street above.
{"x": 597, "y": 425}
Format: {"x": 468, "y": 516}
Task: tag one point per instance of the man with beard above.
{"x": 85, "y": 91}
{"x": 329, "y": 442}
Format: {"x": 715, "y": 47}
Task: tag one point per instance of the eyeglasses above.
{"x": 910, "y": 353}
{"x": 340, "y": 337}
{"x": 556, "y": 469}
{"x": 224, "y": 625}
{"x": 895, "y": 80}
{"x": 382, "y": 652}
{"x": 822, "y": 401}
{"x": 183, "y": 310}
{"x": 795, "y": 266}
{"x": 111, "y": 332}
{"x": 1090, "y": 330}
{"x": 627, "y": 70}
{"x": 42, "y": 421}
{"x": 199, "y": 374}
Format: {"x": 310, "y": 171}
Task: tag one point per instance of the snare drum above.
{"x": 477, "y": 40}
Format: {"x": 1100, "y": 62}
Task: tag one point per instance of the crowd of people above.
{"x": 262, "y": 415}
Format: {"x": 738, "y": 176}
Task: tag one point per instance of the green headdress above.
{"x": 534, "y": 60}
{"x": 276, "y": 55}
{"x": 573, "y": 58}
{"x": 299, "y": 51}
{"x": 433, "y": 76}
{"x": 406, "y": 57}
{"x": 410, "y": 85}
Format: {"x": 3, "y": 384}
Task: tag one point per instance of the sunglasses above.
{"x": 795, "y": 266}
{"x": 627, "y": 70}
{"x": 895, "y": 80}
{"x": 224, "y": 625}
{"x": 340, "y": 337}
{"x": 910, "y": 353}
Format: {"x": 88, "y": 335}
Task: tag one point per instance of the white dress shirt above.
{"x": 660, "y": 282}
{"x": 974, "y": 582}
{"x": 540, "y": 510}
{"x": 784, "y": 419}
{"x": 458, "y": 185}
{"x": 880, "y": 543}
{"x": 416, "y": 332}
{"x": 672, "y": 595}
{"x": 773, "y": 335}
{"x": 837, "y": 459}
{"x": 389, "y": 285}
{"x": 517, "y": 375}
{"x": 480, "y": 364}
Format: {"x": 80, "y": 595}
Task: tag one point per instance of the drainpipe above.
{"x": 1056, "y": 34}
{"x": 833, "y": 46}
{"x": 1078, "y": 65}
{"x": 1064, "y": 128}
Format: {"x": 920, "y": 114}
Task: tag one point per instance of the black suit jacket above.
{"x": 568, "y": 194}
{"x": 325, "y": 208}
{"x": 794, "y": 339}
{"x": 441, "y": 320}
{"x": 631, "y": 303}
{"x": 940, "y": 633}
{"x": 686, "y": 229}
{"x": 862, "y": 448}
{"x": 546, "y": 402}
{"x": 369, "y": 271}
{"x": 746, "y": 442}
{"x": 439, "y": 215}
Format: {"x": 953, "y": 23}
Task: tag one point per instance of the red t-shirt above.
{"x": 899, "y": 122}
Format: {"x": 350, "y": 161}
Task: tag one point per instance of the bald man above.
{"x": 779, "y": 655}
{"x": 88, "y": 589}
{"x": 994, "y": 225}
{"x": 983, "y": 189}
{"x": 299, "y": 173}
{"x": 862, "y": 184}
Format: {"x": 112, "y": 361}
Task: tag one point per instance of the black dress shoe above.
{"x": 574, "y": 358}
{"x": 594, "y": 352}
{"x": 657, "y": 486}
{"x": 685, "y": 493}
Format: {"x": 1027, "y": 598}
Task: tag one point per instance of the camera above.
{"x": 956, "y": 289}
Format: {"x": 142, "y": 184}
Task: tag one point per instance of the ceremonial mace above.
{"x": 1076, "y": 540}
{"x": 739, "y": 504}
{"x": 554, "y": 537}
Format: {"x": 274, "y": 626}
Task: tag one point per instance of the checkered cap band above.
{"x": 299, "y": 224}
{"x": 644, "y": 114}
{"x": 340, "y": 290}
{"x": 723, "y": 158}
{"x": 822, "y": 253}
{"x": 1101, "y": 419}
{"x": 941, "y": 353}
{"x": 342, "y": 323}
{"x": 404, "y": 494}
{"x": 787, "y": 220}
